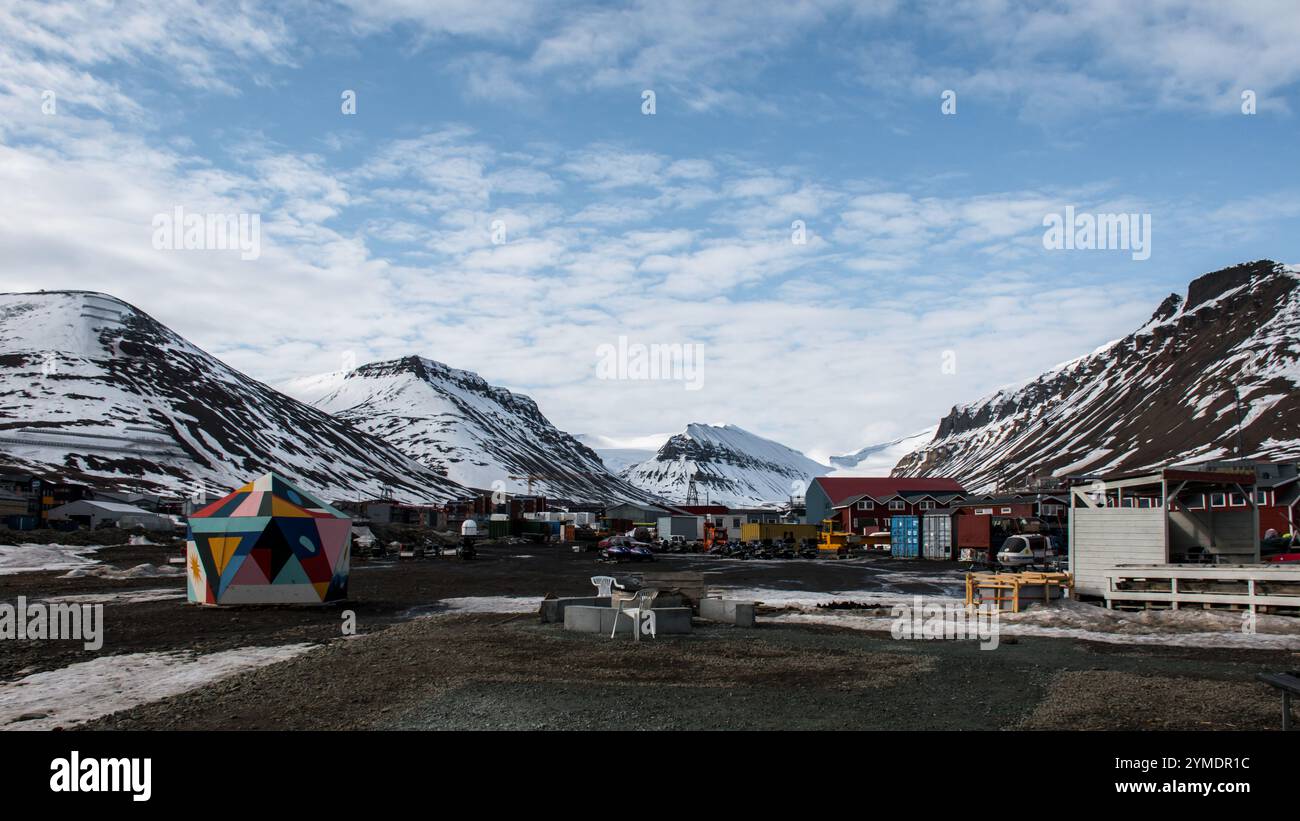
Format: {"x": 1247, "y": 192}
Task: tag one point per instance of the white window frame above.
{"x": 866, "y": 504}
{"x": 928, "y": 505}
{"x": 1218, "y": 500}
{"x": 897, "y": 504}
{"x": 983, "y": 511}
{"x": 1261, "y": 498}
{"x": 1005, "y": 511}
{"x": 1236, "y": 500}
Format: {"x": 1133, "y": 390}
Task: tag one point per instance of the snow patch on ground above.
{"x": 140, "y": 571}
{"x": 33, "y": 558}
{"x": 492, "y": 604}
{"x": 808, "y": 599}
{"x": 90, "y": 689}
{"x": 120, "y": 597}
{"x": 1061, "y": 619}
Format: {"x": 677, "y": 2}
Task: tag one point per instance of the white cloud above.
{"x": 605, "y": 237}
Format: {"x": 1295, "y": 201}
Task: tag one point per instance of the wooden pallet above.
{"x": 1008, "y": 591}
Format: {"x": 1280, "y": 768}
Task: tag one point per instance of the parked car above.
{"x": 1026, "y": 550}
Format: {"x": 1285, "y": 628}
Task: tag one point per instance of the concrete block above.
{"x": 744, "y": 614}
{"x": 583, "y": 619}
{"x": 672, "y": 621}
{"x": 552, "y": 610}
{"x": 728, "y": 611}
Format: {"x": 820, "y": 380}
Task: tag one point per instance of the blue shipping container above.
{"x": 905, "y": 537}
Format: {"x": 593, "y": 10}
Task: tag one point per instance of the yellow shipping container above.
{"x": 777, "y": 532}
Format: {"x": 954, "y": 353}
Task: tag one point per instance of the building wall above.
{"x": 1274, "y": 517}
{"x": 1101, "y": 538}
{"x": 852, "y": 519}
{"x": 817, "y": 503}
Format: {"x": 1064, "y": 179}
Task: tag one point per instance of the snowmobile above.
{"x": 627, "y": 552}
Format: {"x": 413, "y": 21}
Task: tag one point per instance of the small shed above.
{"x": 1151, "y": 519}
{"x": 268, "y": 542}
{"x": 634, "y": 512}
{"x": 93, "y": 513}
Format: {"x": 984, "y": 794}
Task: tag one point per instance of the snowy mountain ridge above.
{"x": 1164, "y": 394}
{"x": 93, "y": 389}
{"x": 454, "y": 421}
{"x": 879, "y": 459}
{"x": 729, "y": 466}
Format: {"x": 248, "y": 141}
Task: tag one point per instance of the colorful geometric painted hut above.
{"x": 269, "y": 542}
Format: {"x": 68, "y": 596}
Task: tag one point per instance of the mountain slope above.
{"x": 875, "y": 460}
{"x": 615, "y": 455}
{"x": 730, "y": 466}
{"x": 454, "y": 421}
{"x": 1163, "y": 394}
{"x": 93, "y": 389}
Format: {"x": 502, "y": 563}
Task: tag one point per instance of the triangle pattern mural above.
{"x": 269, "y": 542}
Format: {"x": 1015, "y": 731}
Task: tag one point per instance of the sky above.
{"x": 837, "y": 208}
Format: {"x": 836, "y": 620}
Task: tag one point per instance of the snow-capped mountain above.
{"x": 93, "y": 389}
{"x": 452, "y": 420}
{"x": 876, "y": 460}
{"x": 730, "y": 466}
{"x": 1161, "y": 395}
{"x": 618, "y": 455}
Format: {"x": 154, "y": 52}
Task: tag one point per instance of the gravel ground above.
{"x": 1104, "y": 699}
{"x": 384, "y": 592}
{"x": 447, "y": 670}
{"x": 509, "y": 672}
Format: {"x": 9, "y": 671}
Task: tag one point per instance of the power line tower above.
{"x": 692, "y": 492}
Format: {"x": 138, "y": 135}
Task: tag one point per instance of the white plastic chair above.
{"x": 642, "y": 616}
{"x": 604, "y": 586}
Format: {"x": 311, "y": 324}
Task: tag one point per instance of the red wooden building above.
{"x": 866, "y": 504}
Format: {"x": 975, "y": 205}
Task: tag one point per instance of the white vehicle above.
{"x": 1026, "y": 550}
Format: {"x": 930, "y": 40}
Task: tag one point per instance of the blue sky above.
{"x": 924, "y": 230}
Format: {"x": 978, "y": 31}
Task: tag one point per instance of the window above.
{"x": 866, "y": 504}
{"x": 927, "y": 505}
{"x": 1144, "y": 502}
{"x": 1238, "y": 500}
{"x": 735, "y": 522}
{"x": 1261, "y": 497}
{"x": 1006, "y": 510}
{"x": 1049, "y": 509}
{"x": 1218, "y": 500}
{"x": 897, "y": 504}
{"x": 983, "y": 511}
{"x": 1128, "y": 502}
{"x": 1196, "y": 502}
